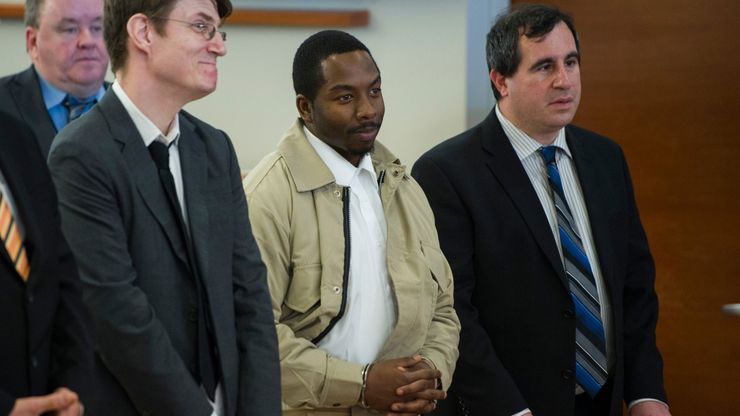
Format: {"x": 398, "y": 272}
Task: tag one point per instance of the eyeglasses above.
{"x": 208, "y": 30}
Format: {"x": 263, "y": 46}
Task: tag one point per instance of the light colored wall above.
{"x": 481, "y": 15}
{"x": 420, "y": 47}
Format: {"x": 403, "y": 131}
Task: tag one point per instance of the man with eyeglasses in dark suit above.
{"x": 153, "y": 207}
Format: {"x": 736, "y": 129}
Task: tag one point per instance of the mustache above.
{"x": 365, "y": 126}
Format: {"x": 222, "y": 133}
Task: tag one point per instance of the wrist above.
{"x": 430, "y": 363}
{"x": 365, "y": 372}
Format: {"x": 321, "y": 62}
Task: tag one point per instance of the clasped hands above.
{"x": 403, "y": 386}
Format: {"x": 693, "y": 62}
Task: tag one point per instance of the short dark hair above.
{"x": 530, "y": 20}
{"x": 308, "y": 75}
{"x": 117, "y": 13}
{"x": 31, "y": 13}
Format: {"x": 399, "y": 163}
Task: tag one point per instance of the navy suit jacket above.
{"x": 20, "y": 96}
{"x": 517, "y": 347}
{"x": 44, "y": 339}
{"x": 134, "y": 267}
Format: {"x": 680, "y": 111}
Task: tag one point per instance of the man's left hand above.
{"x": 421, "y": 395}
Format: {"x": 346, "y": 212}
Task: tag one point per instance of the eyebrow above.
{"x": 340, "y": 87}
{"x": 205, "y": 17}
{"x": 72, "y": 20}
{"x": 550, "y": 60}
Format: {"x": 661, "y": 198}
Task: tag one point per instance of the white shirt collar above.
{"x": 343, "y": 171}
{"x": 147, "y": 129}
{"x": 523, "y": 144}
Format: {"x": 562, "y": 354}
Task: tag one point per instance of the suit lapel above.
{"x": 594, "y": 178}
{"x": 505, "y": 165}
{"x": 195, "y": 177}
{"x": 27, "y": 93}
{"x": 142, "y": 169}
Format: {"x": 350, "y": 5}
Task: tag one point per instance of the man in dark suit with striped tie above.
{"x": 554, "y": 281}
{"x": 45, "y": 353}
{"x": 64, "y": 39}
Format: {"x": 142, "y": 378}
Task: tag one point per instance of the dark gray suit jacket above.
{"x": 20, "y": 96}
{"x": 133, "y": 265}
{"x": 517, "y": 345}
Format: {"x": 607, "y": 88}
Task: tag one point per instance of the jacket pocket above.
{"x": 305, "y": 288}
{"x": 437, "y": 265}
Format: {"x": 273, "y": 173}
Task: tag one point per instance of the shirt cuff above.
{"x": 522, "y": 413}
{"x": 634, "y": 402}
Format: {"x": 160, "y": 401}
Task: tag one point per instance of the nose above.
{"x": 86, "y": 37}
{"x": 366, "y": 107}
{"x": 563, "y": 77}
{"x": 217, "y": 45}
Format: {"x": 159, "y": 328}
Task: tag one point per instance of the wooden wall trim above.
{"x": 331, "y": 18}
{"x": 261, "y": 17}
{"x": 11, "y": 11}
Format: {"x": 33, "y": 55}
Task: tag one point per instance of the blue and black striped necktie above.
{"x": 591, "y": 362}
{"x": 76, "y": 108}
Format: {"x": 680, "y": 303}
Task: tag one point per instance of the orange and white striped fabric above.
{"x": 12, "y": 240}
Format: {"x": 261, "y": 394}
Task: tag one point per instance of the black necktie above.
{"x": 206, "y": 371}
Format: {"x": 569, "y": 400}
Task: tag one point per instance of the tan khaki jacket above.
{"x": 298, "y": 214}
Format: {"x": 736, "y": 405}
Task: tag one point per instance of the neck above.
{"x": 158, "y": 105}
{"x": 544, "y": 138}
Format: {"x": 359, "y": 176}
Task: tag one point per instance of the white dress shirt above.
{"x": 370, "y": 312}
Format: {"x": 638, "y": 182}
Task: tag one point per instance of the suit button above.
{"x": 568, "y": 313}
{"x": 193, "y": 314}
{"x": 30, "y": 298}
{"x": 34, "y": 362}
{"x": 567, "y": 374}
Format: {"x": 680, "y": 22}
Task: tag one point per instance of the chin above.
{"x": 362, "y": 151}
{"x": 88, "y": 73}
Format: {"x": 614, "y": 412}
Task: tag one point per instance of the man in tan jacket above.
{"x": 361, "y": 292}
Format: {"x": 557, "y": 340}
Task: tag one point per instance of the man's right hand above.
{"x": 58, "y": 401}
{"x": 385, "y": 377}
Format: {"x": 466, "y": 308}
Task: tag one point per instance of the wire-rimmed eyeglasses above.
{"x": 208, "y": 30}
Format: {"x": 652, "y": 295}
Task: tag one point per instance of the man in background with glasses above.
{"x": 64, "y": 39}
{"x": 153, "y": 209}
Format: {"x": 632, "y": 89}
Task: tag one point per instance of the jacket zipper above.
{"x": 345, "y": 277}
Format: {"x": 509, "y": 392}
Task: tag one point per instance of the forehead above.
{"x": 195, "y": 8}
{"x": 559, "y": 42}
{"x": 71, "y": 9}
{"x": 349, "y": 68}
